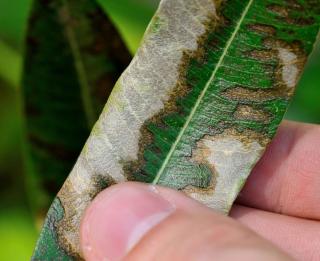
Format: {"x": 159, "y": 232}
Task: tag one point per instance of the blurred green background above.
{"x": 17, "y": 228}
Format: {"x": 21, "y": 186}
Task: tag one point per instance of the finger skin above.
{"x": 299, "y": 237}
{"x": 202, "y": 236}
{"x": 287, "y": 178}
{"x": 191, "y": 232}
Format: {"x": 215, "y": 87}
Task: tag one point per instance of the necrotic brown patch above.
{"x": 246, "y": 94}
{"x": 262, "y": 28}
{"x": 263, "y": 54}
{"x": 246, "y": 112}
{"x": 278, "y": 9}
{"x": 67, "y": 228}
{"x": 181, "y": 89}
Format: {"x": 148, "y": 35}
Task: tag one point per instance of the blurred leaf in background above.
{"x": 73, "y": 58}
{"x": 13, "y": 16}
{"x": 17, "y": 230}
{"x": 10, "y": 64}
{"x": 16, "y": 224}
{"x": 131, "y": 17}
{"x": 305, "y": 105}
{"x": 10, "y": 147}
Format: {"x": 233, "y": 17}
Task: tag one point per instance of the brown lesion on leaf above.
{"x": 181, "y": 89}
{"x": 201, "y": 192}
{"x": 246, "y": 137}
{"x": 66, "y": 225}
{"x": 291, "y": 59}
{"x": 200, "y": 155}
{"x": 246, "y": 94}
{"x": 101, "y": 182}
{"x": 278, "y": 10}
{"x": 205, "y": 153}
{"x": 302, "y": 21}
{"x": 247, "y": 112}
{"x": 285, "y": 13}
{"x": 265, "y": 55}
{"x": 288, "y": 58}
{"x": 262, "y": 28}
{"x": 67, "y": 231}
{"x": 295, "y": 5}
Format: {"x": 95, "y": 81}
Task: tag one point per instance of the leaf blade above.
{"x": 235, "y": 119}
{"x": 68, "y": 74}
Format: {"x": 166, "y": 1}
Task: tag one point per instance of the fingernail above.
{"x": 118, "y": 218}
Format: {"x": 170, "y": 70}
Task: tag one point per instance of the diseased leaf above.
{"x": 196, "y": 108}
{"x": 73, "y": 58}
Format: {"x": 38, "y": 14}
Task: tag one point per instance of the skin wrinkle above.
{"x": 298, "y": 237}
{"x": 283, "y": 193}
{"x": 157, "y": 244}
{"x": 294, "y": 166}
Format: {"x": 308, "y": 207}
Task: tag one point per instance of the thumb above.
{"x": 132, "y": 221}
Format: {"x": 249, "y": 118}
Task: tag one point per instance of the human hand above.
{"x": 279, "y": 208}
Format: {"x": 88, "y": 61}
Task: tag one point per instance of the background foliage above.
{"x": 17, "y": 228}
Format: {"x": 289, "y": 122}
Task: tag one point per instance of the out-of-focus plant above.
{"x": 73, "y": 57}
{"x": 17, "y": 226}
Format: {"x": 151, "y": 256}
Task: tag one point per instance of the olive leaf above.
{"x": 74, "y": 56}
{"x": 195, "y": 109}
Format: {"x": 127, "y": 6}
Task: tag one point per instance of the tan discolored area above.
{"x": 266, "y": 55}
{"x": 231, "y": 156}
{"x": 279, "y": 10}
{"x": 212, "y": 23}
{"x": 199, "y": 157}
{"x": 201, "y": 194}
{"x": 247, "y": 112}
{"x": 246, "y": 94}
{"x": 74, "y": 197}
{"x": 291, "y": 59}
{"x": 284, "y": 12}
{"x": 290, "y": 71}
{"x": 245, "y": 137}
{"x": 289, "y": 56}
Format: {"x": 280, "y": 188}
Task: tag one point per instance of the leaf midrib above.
{"x": 202, "y": 94}
{"x": 81, "y": 71}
